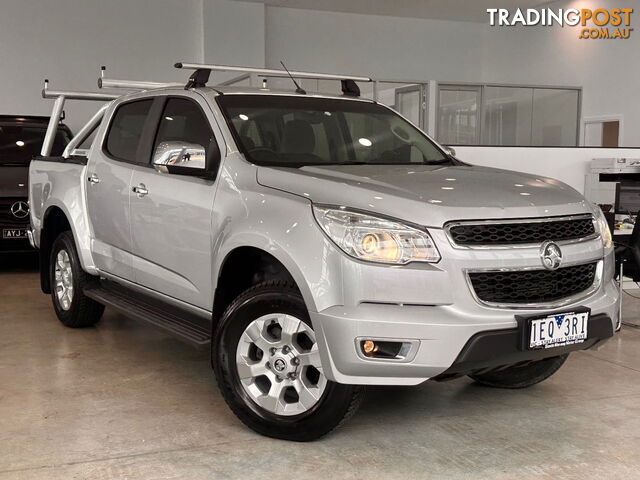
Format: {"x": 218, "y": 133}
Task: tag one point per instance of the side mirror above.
{"x": 183, "y": 158}
{"x": 449, "y": 150}
{"x": 179, "y": 154}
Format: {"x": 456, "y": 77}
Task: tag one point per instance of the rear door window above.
{"x": 125, "y": 132}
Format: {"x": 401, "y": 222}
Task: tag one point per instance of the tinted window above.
{"x": 18, "y": 144}
{"x": 298, "y": 131}
{"x": 126, "y": 129}
{"x": 183, "y": 121}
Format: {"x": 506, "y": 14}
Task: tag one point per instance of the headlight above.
{"x": 603, "y": 228}
{"x": 374, "y": 239}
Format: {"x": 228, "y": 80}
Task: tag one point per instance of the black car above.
{"x": 21, "y": 138}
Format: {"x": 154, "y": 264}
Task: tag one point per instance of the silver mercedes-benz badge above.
{"x": 20, "y": 209}
{"x": 551, "y": 255}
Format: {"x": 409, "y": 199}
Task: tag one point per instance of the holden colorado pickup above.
{"x": 316, "y": 244}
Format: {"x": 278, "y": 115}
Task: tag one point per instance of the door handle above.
{"x": 140, "y": 190}
{"x": 93, "y": 179}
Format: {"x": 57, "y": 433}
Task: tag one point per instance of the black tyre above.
{"x": 522, "y": 376}
{"x": 267, "y": 365}
{"x": 68, "y": 280}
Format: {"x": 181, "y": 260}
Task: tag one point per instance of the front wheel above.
{"x": 522, "y": 376}
{"x": 73, "y": 308}
{"x": 267, "y": 364}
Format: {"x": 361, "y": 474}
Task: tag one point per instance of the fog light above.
{"x": 383, "y": 349}
{"x": 369, "y": 347}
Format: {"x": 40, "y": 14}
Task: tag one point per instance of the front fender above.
{"x": 282, "y": 225}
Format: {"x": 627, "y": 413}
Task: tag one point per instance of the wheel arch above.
{"x": 55, "y": 220}
{"x": 244, "y": 266}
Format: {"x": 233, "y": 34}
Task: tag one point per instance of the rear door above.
{"x": 108, "y": 185}
{"x": 171, "y": 220}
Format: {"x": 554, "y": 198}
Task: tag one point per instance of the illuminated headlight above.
{"x": 374, "y": 239}
{"x": 602, "y": 228}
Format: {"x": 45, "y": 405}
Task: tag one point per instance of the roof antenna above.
{"x": 298, "y": 88}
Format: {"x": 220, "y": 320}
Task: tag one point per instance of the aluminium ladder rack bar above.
{"x": 134, "y": 84}
{"x": 269, "y": 72}
{"x": 60, "y": 98}
{"x": 131, "y": 84}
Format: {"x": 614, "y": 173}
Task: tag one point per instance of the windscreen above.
{"x": 18, "y": 143}
{"x": 296, "y": 131}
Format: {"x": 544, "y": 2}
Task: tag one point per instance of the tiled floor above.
{"x": 125, "y": 401}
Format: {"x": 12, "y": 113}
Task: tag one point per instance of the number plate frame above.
{"x": 7, "y": 233}
{"x": 525, "y": 321}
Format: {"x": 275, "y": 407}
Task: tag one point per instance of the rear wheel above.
{"x": 68, "y": 280}
{"x": 522, "y": 376}
{"x": 267, "y": 364}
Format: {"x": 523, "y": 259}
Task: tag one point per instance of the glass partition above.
{"x": 508, "y": 115}
{"x": 458, "y": 115}
{"x": 555, "y": 119}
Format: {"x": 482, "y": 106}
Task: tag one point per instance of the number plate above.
{"x": 14, "y": 233}
{"x": 558, "y": 330}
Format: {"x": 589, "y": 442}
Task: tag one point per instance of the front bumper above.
{"x": 443, "y": 334}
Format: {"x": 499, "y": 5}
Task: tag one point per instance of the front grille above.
{"x": 6, "y": 217}
{"x": 532, "y": 286}
{"x": 514, "y": 233}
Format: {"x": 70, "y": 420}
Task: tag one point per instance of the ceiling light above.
{"x": 525, "y": 194}
{"x": 168, "y": 118}
{"x": 447, "y": 188}
{"x": 365, "y": 142}
{"x": 243, "y": 117}
{"x": 20, "y": 143}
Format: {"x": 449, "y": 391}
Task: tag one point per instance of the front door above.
{"x": 171, "y": 214}
{"x": 108, "y": 186}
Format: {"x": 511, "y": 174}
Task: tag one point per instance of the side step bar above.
{"x": 180, "y": 324}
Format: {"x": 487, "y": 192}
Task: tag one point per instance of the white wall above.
{"x": 234, "y": 32}
{"x": 68, "y": 40}
{"x": 385, "y": 47}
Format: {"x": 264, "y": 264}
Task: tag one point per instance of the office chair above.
{"x": 628, "y": 254}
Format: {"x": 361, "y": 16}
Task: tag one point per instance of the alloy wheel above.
{"x": 279, "y": 366}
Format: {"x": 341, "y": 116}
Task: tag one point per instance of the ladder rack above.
{"x": 199, "y": 78}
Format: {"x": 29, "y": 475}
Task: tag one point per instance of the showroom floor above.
{"x": 124, "y": 401}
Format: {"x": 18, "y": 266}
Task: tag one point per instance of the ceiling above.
{"x": 461, "y": 10}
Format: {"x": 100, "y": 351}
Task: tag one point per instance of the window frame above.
{"x": 482, "y": 87}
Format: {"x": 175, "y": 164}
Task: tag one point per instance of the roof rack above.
{"x": 201, "y": 75}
